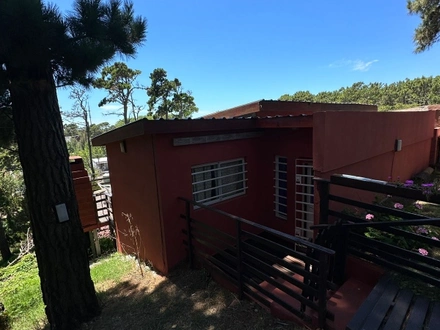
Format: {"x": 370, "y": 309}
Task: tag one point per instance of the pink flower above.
{"x": 369, "y": 217}
{"x": 408, "y": 183}
{"x": 423, "y": 252}
{"x": 434, "y": 238}
{"x": 422, "y": 230}
{"x": 398, "y": 206}
{"x": 418, "y": 205}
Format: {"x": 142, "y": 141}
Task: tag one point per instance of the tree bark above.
{"x": 4, "y": 245}
{"x": 68, "y": 290}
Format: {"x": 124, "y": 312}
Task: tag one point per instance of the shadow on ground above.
{"x": 187, "y": 299}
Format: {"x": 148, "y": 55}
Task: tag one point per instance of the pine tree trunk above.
{"x": 4, "y": 245}
{"x": 68, "y": 291}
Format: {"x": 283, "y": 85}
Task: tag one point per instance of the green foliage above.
{"x": 167, "y": 98}
{"x": 76, "y": 138}
{"x": 399, "y": 95}
{"x": 111, "y": 268}
{"x": 427, "y": 33}
{"x": 74, "y": 45}
{"x": 405, "y": 205}
{"x": 120, "y": 82}
{"x": 21, "y": 294}
{"x": 12, "y": 206}
{"x": 20, "y": 288}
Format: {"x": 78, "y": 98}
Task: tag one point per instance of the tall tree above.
{"x": 427, "y": 33}
{"x": 40, "y": 49}
{"x": 167, "y": 97}
{"x": 6, "y": 138}
{"x": 120, "y": 82}
{"x": 81, "y": 110}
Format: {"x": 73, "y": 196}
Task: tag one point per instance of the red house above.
{"x": 256, "y": 161}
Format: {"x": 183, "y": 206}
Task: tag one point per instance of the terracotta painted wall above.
{"x": 133, "y": 180}
{"x": 292, "y": 144}
{"x": 363, "y": 144}
{"x": 174, "y": 180}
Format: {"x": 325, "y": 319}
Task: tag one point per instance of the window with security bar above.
{"x": 215, "y": 182}
{"x": 280, "y": 201}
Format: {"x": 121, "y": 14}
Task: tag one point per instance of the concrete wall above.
{"x": 133, "y": 179}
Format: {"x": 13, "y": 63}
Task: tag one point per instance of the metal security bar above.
{"x": 215, "y": 182}
{"x": 304, "y": 199}
{"x": 280, "y": 178}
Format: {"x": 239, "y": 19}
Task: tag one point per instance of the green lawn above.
{"x": 21, "y": 295}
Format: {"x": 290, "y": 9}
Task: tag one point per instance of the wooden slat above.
{"x": 397, "y": 267}
{"x": 275, "y": 260}
{"x": 282, "y": 287}
{"x": 400, "y": 257}
{"x": 400, "y": 309}
{"x": 273, "y": 297}
{"x": 274, "y": 272}
{"x": 417, "y": 314}
{"x": 362, "y": 313}
{"x": 434, "y": 322}
{"x": 377, "y": 208}
{"x": 281, "y": 248}
{"x": 377, "y": 314}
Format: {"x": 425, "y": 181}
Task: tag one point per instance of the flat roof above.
{"x": 277, "y": 107}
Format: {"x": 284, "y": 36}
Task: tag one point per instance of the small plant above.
{"x": 134, "y": 235}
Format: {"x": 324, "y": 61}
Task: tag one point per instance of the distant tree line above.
{"x": 398, "y": 95}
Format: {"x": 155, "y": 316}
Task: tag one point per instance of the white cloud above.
{"x": 354, "y": 65}
{"x": 110, "y": 107}
{"x": 360, "y": 65}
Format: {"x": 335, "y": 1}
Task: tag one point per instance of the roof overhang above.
{"x": 145, "y": 126}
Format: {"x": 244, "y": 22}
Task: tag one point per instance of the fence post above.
{"x": 239, "y": 264}
{"x": 340, "y": 241}
{"x": 322, "y": 289}
{"x": 188, "y": 229}
{"x": 324, "y": 191}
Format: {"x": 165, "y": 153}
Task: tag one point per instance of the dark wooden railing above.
{"x": 347, "y": 232}
{"x": 252, "y": 254}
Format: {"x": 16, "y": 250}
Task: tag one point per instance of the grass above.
{"x": 187, "y": 299}
{"x": 20, "y": 293}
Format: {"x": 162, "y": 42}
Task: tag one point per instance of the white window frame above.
{"x": 280, "y": 180}
{"x": 217, "y": 189}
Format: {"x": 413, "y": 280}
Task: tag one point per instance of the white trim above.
{"x": 279, "y": 206}
{"x": 304, "y": 199}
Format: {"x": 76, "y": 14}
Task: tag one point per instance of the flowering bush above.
{"x": 405, "y": 205}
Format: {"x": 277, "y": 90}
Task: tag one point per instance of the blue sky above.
{"x": 232, "y": 52}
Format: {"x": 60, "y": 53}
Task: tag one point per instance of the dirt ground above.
{"x": 188, "y": 299}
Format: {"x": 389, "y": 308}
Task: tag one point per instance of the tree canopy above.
{"x": 427, "y": 33}
{"x": 167, "y": 97}
{"x": 119, "y": 81}
{"x": 40, "y": 49}
{"x": 399, "y": 95}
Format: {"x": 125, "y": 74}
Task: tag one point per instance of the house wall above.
{"x": 175, "y": 180}
{"x": 257, "y": 205}
{"x": 363, "y": 144}
{"x": 292, "y": 144}
{"x": 133, "y": 180}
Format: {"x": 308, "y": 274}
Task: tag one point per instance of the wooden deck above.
{"x": 390, "y": 308}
